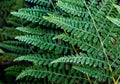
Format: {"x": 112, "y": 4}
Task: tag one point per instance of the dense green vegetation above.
{"x": 59, "y": 42}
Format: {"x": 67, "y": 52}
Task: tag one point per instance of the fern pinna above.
{"x": 83, "y": 46}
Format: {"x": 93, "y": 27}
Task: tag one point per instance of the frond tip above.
{"x": 96, "y": 73}
{"x": 36, "y": 31}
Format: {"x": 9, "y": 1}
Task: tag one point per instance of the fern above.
{"x": 36, "y": 31}
{"x": 14, "y": 70}
{"x": 97, "y": 73}
{"x": 82, "y": 42}
{"x": 12, "y": 55}
{"x": 43, "y": 72}
{"x": 90, "y": 32}
{"x": 44, "y": 43}
{"x": 43, "y": 59}
{"x": 40, "y": 2}
{"x": 13, "y": 47}
{"x": 9, "y": 33}
{"x": 83, "y": 59}
{"x": 34, "y": 14}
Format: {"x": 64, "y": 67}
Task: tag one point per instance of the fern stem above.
{"x": 71, "y": 44}
{"x": 102, "y": 44}
{"x": 74, "y": 49}
{"x": 118, "y": 80}
{"x": 98, "y": 36}
{"x": 114, "y": 80}
{"x": 53, "y": 5}
{"x": 89, "y": 79}
{"x": 31, "y": 49}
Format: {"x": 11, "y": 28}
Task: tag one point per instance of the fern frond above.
{"x": 82, "y": 59}
{"x": 88, "y": 47}
{"x": 45, "y": 43}
{"x": 40, "y": 2}
{"x": 112, "y": 51}
{"x": 29, "y": 30}
{"x": 90, "y": 32}
{"x": 15, "y": 68}
{"x": 52, "y": 74}
{"x": 83, "y": 30}
{"x": 40, "y": 59}
{"x": 9, "y": 33}
{"x": 17, "y": 43}
{"x": 37, "y": 10}
{"x": 39, "y": 31}
{"x": 73, "y": 8}
{"x": 72, "y": 25}
{"x": 78, "y": 8}
{"x": 14, "y": 47}
{"x": 34, "y": 14}
{"x": 87, "y": 32}
{"x": 97, "y": 73}
{"x": 11, "y": 55}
